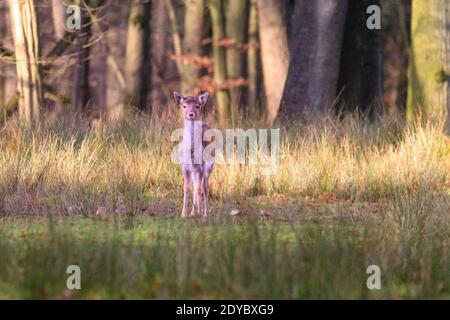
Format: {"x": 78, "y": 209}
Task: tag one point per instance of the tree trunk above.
{"x": 360, "y": 81}
{"x": 160, "y": 28}
{"x": 59, "y": 18}
{"x": 3, "y": 32}
{"x": 115, "y": 42}
{"x": 27, "y": 49}
{"x": 193, "y": 30}
{"x": 220, "y": 75}
{"x": 429, "y": 67}
{"x": 136, "y": 57}
{"x": 315, "y": 46}
{"x": 236, "y": 29}
{"x": 80, "y": 90}
{"x": 395, "y": 55}
{"x": 274, "y": 53}
{"x": 253, "y": 57}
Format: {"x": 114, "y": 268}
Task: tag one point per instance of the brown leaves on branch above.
{"x": 226, "y": 42}
{"x": 229, "y": 42}
{"x": 206, "y": 83}
{"x": 196, "y": 60}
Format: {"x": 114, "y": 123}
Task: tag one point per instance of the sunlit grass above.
{"x": 72, "y": 170}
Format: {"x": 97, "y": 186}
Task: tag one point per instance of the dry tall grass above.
{"x": 65, "y": 168}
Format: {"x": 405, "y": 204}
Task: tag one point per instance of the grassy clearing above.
{"x": 346, "y": 195}
{"x": 227, "y": 257}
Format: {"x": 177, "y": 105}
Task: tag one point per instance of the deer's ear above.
{"x": 178, "y": 97}
{"x": 203, "y": 97}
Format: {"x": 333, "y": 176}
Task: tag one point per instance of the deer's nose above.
{"x": 191, "y": 114}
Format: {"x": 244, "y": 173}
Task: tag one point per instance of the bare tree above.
{"x": 27, "y": 51}
{"x": 274, "y": 53}
{"x": 137, "y": 67}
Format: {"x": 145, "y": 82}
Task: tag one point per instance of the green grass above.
{"x": 346, "y": 195}
{"x": 224, "y": 258}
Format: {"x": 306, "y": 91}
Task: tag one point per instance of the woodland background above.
{"x": 265, "y": 58}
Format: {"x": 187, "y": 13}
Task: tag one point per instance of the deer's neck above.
{"x": 192, "y": 132}
{"x": 192, "y": 146}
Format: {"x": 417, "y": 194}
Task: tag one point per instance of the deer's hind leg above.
{"x": 205, "y": 185}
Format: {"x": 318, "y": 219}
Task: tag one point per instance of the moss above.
{"x": 137, "y": 20}
{"x": 426, "y": 72}
{"x": 441, "y": 76}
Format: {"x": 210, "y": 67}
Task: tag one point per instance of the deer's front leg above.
{"x": 186, "y": 187}
{"x": 197, "y": 180}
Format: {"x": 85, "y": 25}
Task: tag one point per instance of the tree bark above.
{"x": 59, "y": 19}
{"x": 395, "y": 55}
{"x": 274, "y": 53}
{"x": 429, "y": 67}
{"x": 3, "y": 32}
{"x": 236, "y": 29}
{"x": 80, "y": 90}
{"x": 361, "y": 71}
{"x": 315, "y": 46}
{"x": 176, "y": 37}
{"x": 115, "y": 45}
{"x": 27, "y": 50}
{"x": 220, "y": 73}
{"x": 193, "y": 30}
{"x": 137, "y": 67}
{"x": 253, "y": 57}
{"x": 160, "y": 29}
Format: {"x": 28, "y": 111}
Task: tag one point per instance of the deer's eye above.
{"x": 197, "y": 106}
{"x": 184, "y": 107}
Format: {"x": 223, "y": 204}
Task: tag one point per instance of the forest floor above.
{"x": 345, "y": 196}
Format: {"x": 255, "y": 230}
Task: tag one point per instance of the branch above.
{"x": 117, "y": 72}
{"x": 52, "y": 94}
{"x": 5, "y": 52}
{"x": 62, "y": 45}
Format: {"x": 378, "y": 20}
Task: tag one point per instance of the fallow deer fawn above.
{"x": 195, "y": 166}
